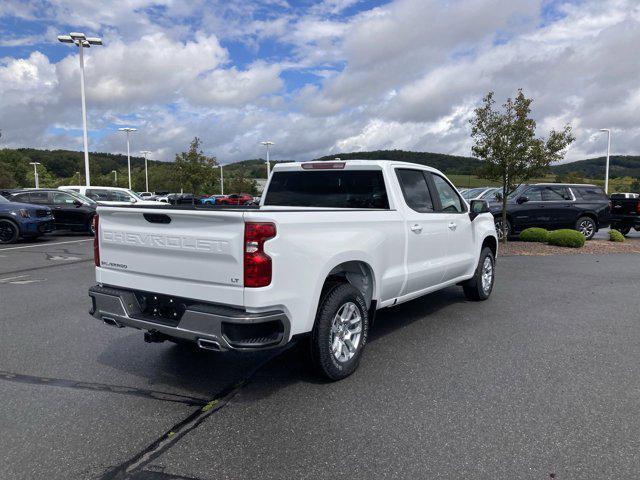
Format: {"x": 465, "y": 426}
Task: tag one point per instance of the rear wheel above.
{"x": 623, "y": 229}
{"x": 586, "y": 226}
{"x": 340, "y": 332}
{"x": 480, "y": 286}
{"x": 9, "y": 231}
{"x": 499, "y": 229}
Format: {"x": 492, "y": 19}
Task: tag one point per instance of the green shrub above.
{"x": 615, "y": 236}
{"x": 534, "y": 234}
{"x": 566, "y": 238}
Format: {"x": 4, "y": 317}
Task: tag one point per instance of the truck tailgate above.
{"x": 624, "y": 206}
{"x": 189, "y": 253}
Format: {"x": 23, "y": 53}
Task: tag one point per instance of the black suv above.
{"x": 585, "y": 208}
{"x": 71, "y": 211}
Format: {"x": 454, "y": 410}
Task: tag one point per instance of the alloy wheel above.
{"x": 487, "y": 275}
{"x": 587, "y": 228}
{"x": 7, "y": 231}
{"x": 346, "y": 332}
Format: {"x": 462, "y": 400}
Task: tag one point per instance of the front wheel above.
{"x": 586, "y": 226}
{"x": 480, "y": 286}
{"x": 340, "y": 332}
{"x": 9, "y": 231}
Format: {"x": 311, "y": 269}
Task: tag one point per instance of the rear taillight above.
{"x": 257, "y": 264}
{"x": 96, "y": 243}
{"x": 638, "y": 207}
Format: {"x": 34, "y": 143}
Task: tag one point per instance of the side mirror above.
{"x": 478, "y": 207}
{"x": 522, "y": 199}
{"x": 77, "y": 203}
{"x": 132, "y": 200}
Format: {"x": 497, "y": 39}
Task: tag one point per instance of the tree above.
{"x": 635, "y": 186}
{"x": 506, "y": 142}
{"x": 240, "y": 182}
{"x": 194, "y": 168}
{"x": 6, "y": 176}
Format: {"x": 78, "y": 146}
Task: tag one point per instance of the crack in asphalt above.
{"x": 132, "y": 469}
{"x": 103, "y": 387}
{"x": 55, "y": 265}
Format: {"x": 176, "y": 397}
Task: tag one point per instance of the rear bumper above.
{"x": 37, "y": 227}
{"x": 211, "y": 326}
{"x": 630, "y": 220}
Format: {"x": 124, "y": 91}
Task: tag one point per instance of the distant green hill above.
{"x": 450, "y": 164}
{"x": 61, "y": 167}
{"x": 619, "y": 166}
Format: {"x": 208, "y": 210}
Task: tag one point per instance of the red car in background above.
{"x": 235, "y": 199}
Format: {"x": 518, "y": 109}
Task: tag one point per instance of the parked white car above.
{"x": 115, "y": 196}
{"x": 331, "y": 243}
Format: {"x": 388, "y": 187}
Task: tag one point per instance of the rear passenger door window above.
{"x": 415, "y": 190}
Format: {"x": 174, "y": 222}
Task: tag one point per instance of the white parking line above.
{"x": 46, "y": 244}
{"x": 4, "y": 280}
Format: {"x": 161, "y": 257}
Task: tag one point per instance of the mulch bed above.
{"x": 630, "y": 245}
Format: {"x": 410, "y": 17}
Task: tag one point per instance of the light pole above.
{"x": 35, "y": 173}
{"x": 606, "y": 172}
{"x": 267, "y": 144}
{"x": 82, "y": 42}
{"x": 128, "y": 130}
{"x": 115, "y": 177}
{"x": 146, "y": 172}
{"x": 221, "y": 179}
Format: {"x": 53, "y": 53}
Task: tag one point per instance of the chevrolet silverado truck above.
{"x": 331, "y": 243}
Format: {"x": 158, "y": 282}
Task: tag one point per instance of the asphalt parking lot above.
{"x": 543, "y": 379}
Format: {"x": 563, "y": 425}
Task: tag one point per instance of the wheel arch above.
{"x": 591, "y": 214}
{"x": 491, "y": 242}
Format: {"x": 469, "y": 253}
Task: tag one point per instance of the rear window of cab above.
{"x": 328, "y": 189}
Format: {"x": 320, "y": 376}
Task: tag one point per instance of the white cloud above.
{"x": 406, "y": 74}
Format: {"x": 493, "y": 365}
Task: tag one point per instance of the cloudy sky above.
{"x": 316, "y": 77}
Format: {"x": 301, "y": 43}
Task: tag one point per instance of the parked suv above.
{"x": 71, "y": 211}
{"x": 23, "y": 220}
{"x": 585, "y": 208}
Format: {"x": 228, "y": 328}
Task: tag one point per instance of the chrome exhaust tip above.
{"x": 209, "y": 344}
{"x": 112, "y": 322}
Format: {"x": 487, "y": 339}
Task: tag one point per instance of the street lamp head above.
{"x": 267, "y": 143}
{"x": 65, "y": 39}
{"x": 605, "y": 130}
{"x": 145, "y": 152}
{"x": 114, "y": 171}
{"x": 34, "y": 163}
{"x": 94, "y": 40}
{"x": 78, "y": 36}
{"x": 128, "y": 129}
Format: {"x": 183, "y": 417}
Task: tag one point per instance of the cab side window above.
{"x": 118, "y": 196}
{"x": 98, "y": 195}
{"x": 415, "y": 190}
{"x": 40, "y": 198}
{"x": 534, "y": 194}
{"x": 60, "y": 198}
{"x": 449, "y": 199}
{"x": 555, "y": 194}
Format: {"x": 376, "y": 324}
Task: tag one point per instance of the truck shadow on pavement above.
{"x": 189, "y": 370}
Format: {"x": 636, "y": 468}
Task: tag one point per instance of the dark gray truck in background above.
{"x": 625, "y": 212}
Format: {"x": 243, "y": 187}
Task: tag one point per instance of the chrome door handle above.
{"x": 416, "y": 228}
{"x": 453, "y": 226}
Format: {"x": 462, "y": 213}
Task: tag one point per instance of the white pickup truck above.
{"x": 330, "y": 243}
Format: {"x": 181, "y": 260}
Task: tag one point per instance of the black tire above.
{"x": 587, "y": 227}
{"x": 475, "y": 288}
{"x": 498, "y": 222}
{"x": 623, "y": 229}
{"x": 9, "y": 231}
{"x": 329, "y": 332}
